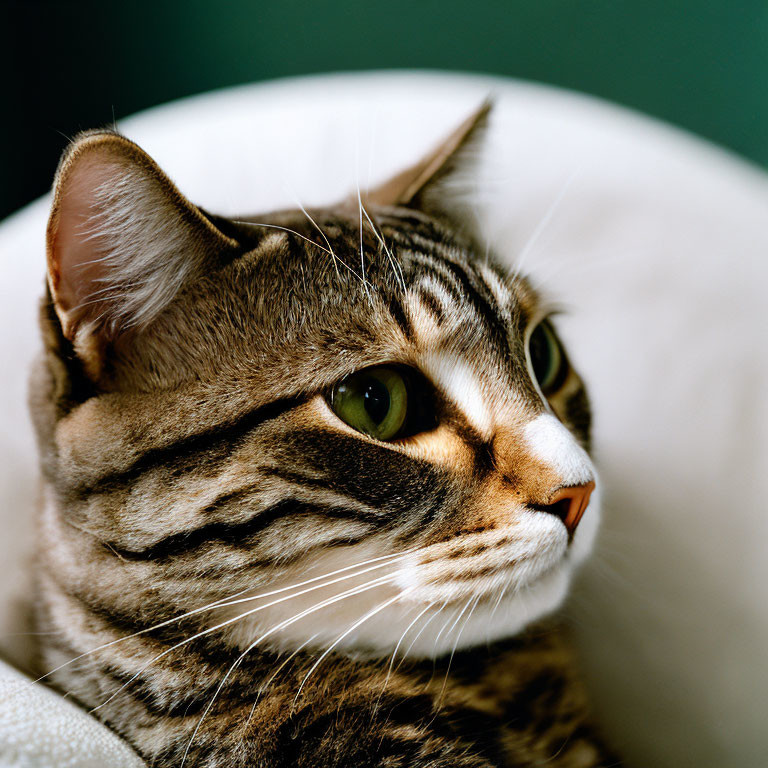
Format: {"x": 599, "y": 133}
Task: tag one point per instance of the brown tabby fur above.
{"x": 188, "y": 455}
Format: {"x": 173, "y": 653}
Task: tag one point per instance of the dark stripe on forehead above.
{"x": 485, "y": 304}
{"x": 399, "y": 316}
{"x": 436, "y": 268}
{"x": 513, "y": 306}
{"x": 238, "y": 534}
{"x": 405, "y": 224}
{"x": 432, "y": 304}
{"x": 474, "y": 292}
{"x": 219, "y": 438}
{"x": 417, "y": 243}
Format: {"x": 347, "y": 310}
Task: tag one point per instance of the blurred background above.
{"x": 76, "y": 64}
{"x": 689, "y": 611}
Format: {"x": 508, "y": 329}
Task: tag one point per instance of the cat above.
{"x": 312, "y": 479}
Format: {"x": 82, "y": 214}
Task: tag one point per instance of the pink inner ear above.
{"x": 76, "y": 245}
{"x": 121, "y": 238}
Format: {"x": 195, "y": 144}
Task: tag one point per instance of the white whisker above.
{"x": 543, "y": 224}
{"x": 237, "y": 618}
{"x": 458, "y": 611}
{"x": 263, "y": 687}
{"x": 284, "y": 229}
{"x": 226, "y": 602}
{"x": 396, "y": 268}
{"x": 336, "y": 260}
{"x": 367, "y": 616}
{"x": 394, "y": 653}
{"x": 420, "y": 632}
{"x": 362, "y": 255}
{"x": 455, "y": 645}
{"x": 380, "y": 581}
{"x": 502, "y": 592}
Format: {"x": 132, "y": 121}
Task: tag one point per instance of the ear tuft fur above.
{"x": 438, "y": 184}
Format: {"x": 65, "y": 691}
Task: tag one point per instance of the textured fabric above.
{"x": 40, "y": 729}
{"x": 655, "y": 243}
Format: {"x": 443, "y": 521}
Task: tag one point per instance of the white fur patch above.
{"x": 551, "y": 443}
{"x": 463, "y": 387}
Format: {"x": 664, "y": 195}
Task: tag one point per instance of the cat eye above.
{"x": 548, "y": 361}
{"x": 385, "y": 402}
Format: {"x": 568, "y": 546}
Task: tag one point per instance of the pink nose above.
{"x": 569, "y": 504}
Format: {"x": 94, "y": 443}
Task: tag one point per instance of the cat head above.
{"x": 350, "y": 426}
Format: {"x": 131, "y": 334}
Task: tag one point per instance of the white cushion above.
{"x": 658, "y": 245}
{"x": 40, "y": 729}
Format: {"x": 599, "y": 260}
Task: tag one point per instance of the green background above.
{"x": 73, "y": 65}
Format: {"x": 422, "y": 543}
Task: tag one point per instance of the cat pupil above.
{"x": 376, "y": 400}
{"x": 541, "y": 354}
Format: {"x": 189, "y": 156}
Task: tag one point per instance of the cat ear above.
{"x": 438, "y": 184}
{"x": 121, "y": 239}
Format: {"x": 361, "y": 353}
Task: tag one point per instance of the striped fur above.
{"x": 267, "y": 586}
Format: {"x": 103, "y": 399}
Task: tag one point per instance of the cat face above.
{"x": 349, "y": 426}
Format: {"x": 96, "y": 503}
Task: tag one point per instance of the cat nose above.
{"x": 568, "y": 504}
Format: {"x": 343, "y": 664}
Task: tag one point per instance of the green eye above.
{"x": 548, "y": 361}
{"x": 384, "y": 402}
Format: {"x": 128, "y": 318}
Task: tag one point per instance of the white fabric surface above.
{"x": 40, "y": 729}
{"x": 658, "y": 245}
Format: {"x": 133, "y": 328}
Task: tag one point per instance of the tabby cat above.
{"x": 310, "y": 478}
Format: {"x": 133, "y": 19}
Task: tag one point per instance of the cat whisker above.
{"x": 394, "y": 652}
{"x": 544, "y": 274}
{"x": 229, "y": 601}
{"x": 362, "y": 255}
{"x": 541, "y": 227}
{"x": 458, "y": 611}
{"x": 265, "y": 685}
{"x": 354, "y": 626}
{"x": 336, "y": 260}
{"x": 474, "y": 602}
{"x": 226, "y": 623}
{"x": 285, "y": 229}
{"x": 209, "y": 606}
{"x": 396, "y": 268}
{"x": 419, "y": 633}
{"x": 374, "y": 583}
{"x": 502, "y": 592}
{"x": 389, "y": 560}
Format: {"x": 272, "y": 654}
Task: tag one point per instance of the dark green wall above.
{"x": 702, "y": 64}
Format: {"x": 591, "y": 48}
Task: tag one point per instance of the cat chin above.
{"x": 403, "y": 618}
{"x": 409, "y": 629}
{"x": 492, "y": 620}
